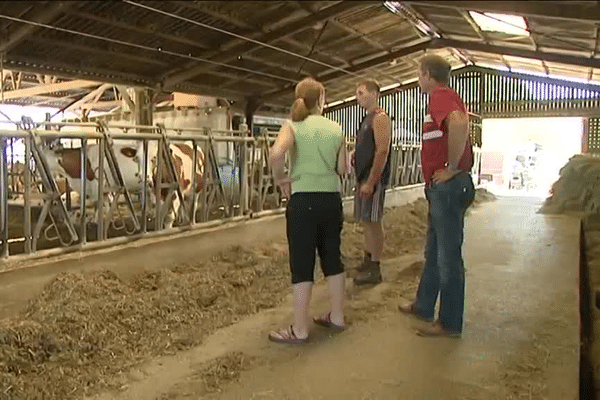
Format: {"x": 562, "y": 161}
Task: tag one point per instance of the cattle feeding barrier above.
{"x": 131, "y": 197}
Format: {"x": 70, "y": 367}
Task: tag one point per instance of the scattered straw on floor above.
{"x": 210, "y": 377}
{"x": 84, "y": 332}
{"x": 222, "y": 370}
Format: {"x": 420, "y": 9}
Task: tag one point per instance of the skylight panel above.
{"x": 502, "y": 23}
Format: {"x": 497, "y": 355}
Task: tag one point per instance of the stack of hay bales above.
{"x": 577, "y": 189}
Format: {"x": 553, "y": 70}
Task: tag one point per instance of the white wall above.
{"x": 561, "y": 138}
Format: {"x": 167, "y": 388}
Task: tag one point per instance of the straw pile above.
{"x": 577, "y": 189}
{"x": 85, "y": 330}
{"x": 404, "y": 228}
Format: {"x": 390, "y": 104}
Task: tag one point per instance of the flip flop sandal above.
{"x": 287, "y": 336}
{"x": 326, "y": 322}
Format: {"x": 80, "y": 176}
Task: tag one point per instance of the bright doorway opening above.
{"x": 523, "y": 156}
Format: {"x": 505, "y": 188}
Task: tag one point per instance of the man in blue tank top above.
{"x": 371, "y": 160}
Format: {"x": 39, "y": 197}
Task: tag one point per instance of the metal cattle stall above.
{"x": 46, "y": 223}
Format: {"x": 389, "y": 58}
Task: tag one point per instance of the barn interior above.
{"x": 220, "y": 76}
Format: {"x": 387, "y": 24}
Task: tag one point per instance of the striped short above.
{"x": 371, "y": 209}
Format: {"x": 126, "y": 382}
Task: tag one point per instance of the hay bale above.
{"x": 577, "y": 189}
{"x": 483, "y": 196}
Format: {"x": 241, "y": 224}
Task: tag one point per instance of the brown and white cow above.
{"x": 182, "y": 159}
{"x": 65, "y": 166}
{"x": 66, "y": 163}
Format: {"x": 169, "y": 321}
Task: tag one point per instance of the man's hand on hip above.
{"x": 443, "y": 175}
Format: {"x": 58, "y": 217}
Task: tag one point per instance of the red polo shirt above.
{"x": 434, "y": 156}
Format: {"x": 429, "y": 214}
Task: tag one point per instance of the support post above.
{"x": 252, "y": 105}
{"x": 243, "y": 178}
{"x": 143, "y": 106}
{"x": 143, "y": 116}
{"x": 100, "y": 198}
{"x": 585, "y": 136}
{"x": 4, "y": 197}
{"x": 27, "y": 196}
{"x": 144, "y": 194}
{"x": 83, "y": 192}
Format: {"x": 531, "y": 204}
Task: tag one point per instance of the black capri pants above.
{"x": 314, "y": 223}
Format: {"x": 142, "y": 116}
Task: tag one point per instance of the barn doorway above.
{"x": 523, "y": 156}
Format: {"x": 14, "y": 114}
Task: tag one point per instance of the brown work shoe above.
{"x": 436, "y": 330}
{"x": 409, "y": 309}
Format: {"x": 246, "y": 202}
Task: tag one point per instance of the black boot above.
{"x": 365, "y": 263}
{"x": 371, "y": 275}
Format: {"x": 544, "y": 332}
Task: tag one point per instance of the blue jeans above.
{"x": 444, "y": 271}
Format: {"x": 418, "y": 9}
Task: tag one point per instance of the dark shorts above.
{"x": 314, "y": 224}
{"x": 371, "y": 209}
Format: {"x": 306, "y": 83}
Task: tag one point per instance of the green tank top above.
{"x": 313, "y": 166}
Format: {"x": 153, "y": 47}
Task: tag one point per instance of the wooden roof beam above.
{"x": 139, "y": 29}
{"x": 197, "y": 88}
{"x": 49, "y": 88}
{"x": 243, "y": 25}
{"x": 264, "y": 29}
{"x": 273, "y": 64}
{"x": 516, "y": 52}
{"x": 133, "y": 56}
{"x": 45, "y": 15}
{"x": 357, "y": 67}
{"x": 595, "y": 50}
{"x": 202, "y": 7}
{"x": 90, "y": 96}
{"x": 195, "y": 68}
{"x": 37, "y": 65}
{"x": 354, "y": 34}
{"x": 536, "y": 47}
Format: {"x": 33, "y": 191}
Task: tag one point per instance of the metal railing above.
{"x": 137, "y": 183}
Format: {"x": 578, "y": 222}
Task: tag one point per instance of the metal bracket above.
{"x": 173, "y": 185}
{"x": 52, "y": 198}
{"x": 120, "y": 188}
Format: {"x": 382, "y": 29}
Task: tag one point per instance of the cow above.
{"x": 182, "y": 159}
{"x": 65, "y": 166}
{"x": 66, "y": 163}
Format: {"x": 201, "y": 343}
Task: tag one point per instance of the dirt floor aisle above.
{"x": 521, "y": 337}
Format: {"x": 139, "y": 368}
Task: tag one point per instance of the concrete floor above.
{"x": 521, "y": 337}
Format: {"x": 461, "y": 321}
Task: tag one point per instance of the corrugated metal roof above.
{"x": 358, "y": 32}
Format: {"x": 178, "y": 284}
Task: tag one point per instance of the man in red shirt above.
{"x": 446, "y": 162}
